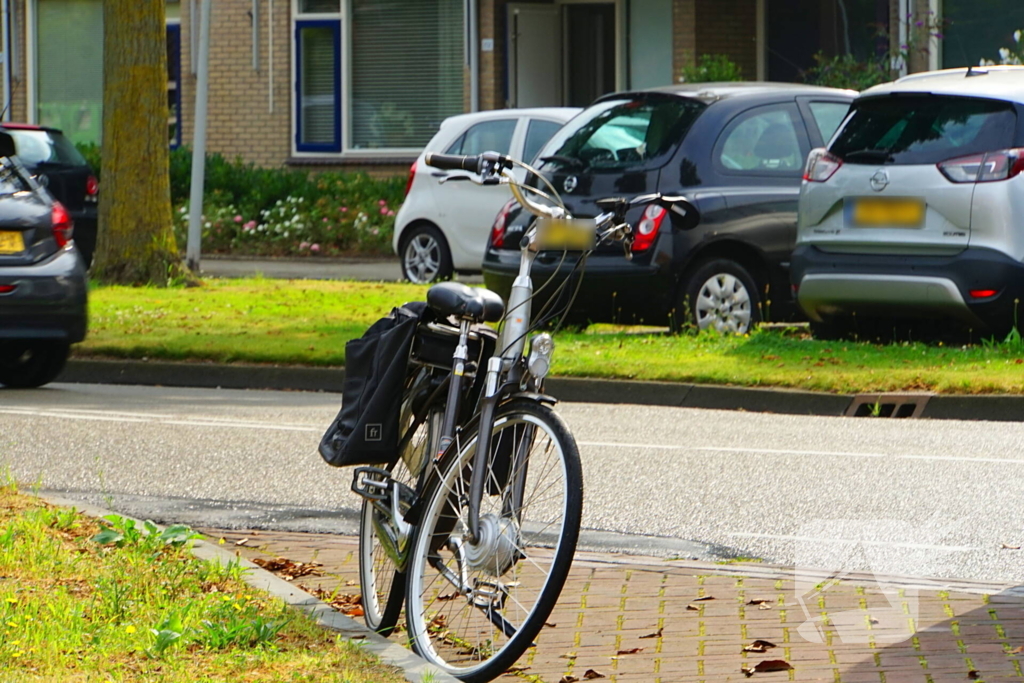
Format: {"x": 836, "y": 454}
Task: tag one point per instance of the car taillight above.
{"x": 7, "y": 289}
{"x": 983, "y": 293}
{"x": 63, "y": 226}
{"x": 821, "y": 165}
{"x": 984, "y": 168}
{"x": 500, "y": 223}
{"x": 647, "y": 228}
{"x": 92, "y": 189}
{"x": 412, "y": 177}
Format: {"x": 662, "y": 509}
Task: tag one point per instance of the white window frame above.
{"x": 347, "y": 151}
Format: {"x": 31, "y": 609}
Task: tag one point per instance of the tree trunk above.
{"x": 136, "y": 240}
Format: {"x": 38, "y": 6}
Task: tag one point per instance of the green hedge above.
{"x": 280, "y": 211}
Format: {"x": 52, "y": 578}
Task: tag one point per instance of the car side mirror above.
{"x": 7, "y": 148}
{"x": 683, "y": 213}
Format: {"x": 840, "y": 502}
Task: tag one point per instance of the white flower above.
{"x": 1016, "y": 36}
{"x": 207, "y": 224}
{"x": 1004, "y": 53}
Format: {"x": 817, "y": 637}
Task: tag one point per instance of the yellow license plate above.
{"x": 11, "y": 242}
{"x": 891, "y": 213}
{"x": 577, "y": 234}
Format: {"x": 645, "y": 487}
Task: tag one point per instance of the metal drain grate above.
{"x": 888, "y": 405}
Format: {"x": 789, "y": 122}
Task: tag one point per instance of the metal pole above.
{"x": 474, "y": 58}
{"x": 255, "y": 35}
{"x": 195, "y": 205}
{"x": 7, "y": 60}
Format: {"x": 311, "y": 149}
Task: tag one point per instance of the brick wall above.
{"x": 684, "y": 34}
{"x": 729, "y": 27}
{"x": 239, "y": 120}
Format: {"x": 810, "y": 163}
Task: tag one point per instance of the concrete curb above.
{"x": 672, "y": 394}
{"x": 415, "y": 668}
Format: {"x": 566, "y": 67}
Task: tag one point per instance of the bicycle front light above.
{"x": 542, "y": 346}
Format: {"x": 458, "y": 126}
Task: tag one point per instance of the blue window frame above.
{"x": 174, "y": 84}
{"x": 318, "y": 86}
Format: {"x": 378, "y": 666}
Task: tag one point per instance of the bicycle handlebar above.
{"x": 453, "y": 162}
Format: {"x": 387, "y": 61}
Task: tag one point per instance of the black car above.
{"x": 736, "y": 150}
{"x": 42, "y": 278}
{"x": 66, "y": 174}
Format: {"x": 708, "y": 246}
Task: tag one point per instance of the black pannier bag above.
{"x": 366, "y": 430}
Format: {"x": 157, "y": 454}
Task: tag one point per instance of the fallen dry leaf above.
{"x": 347, "y": 604}
{"x": 1009, "y": 547}
{"x": 550, "y": 625}
{"x": 693, "y": 608}
{"x": 242, "y": 541}
{"x": 759, "y": 646}
{"x": 591, "y": 674}
{"x": 288, "y": 569}
{"x": 656, "y": 634}
{"x": 1017, "y": 650}
{"x": 706, "y": 597}
{"x": 568, "y": 678}
{"x": 772, "y": 665}
{"x": 631, "y": 651}
{"x": 449, "y": 596}
{"x": 872, "y": 620}
{"x": 973, "y": 675}
{"x": 760, "y": 604}
{"x": 516, "y": 669}
{"x": 568, "y": 655}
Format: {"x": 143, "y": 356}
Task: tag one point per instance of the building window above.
{"x": 173, "y": 84}
{"x": 379, "y": 76}
{"x": 318, "y": 87}
{"x": 69, "y": 92}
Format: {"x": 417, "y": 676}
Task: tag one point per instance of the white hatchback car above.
{"x": 442, "y": 228}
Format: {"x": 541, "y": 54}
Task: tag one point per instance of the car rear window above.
{"x": 924, "y": 129}
{"x": 624, "y": 133}
{"x": 44, "y": 147}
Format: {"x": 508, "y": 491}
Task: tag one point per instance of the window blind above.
{"x": 318, "y": 101}
{"x": 407, "y": 70}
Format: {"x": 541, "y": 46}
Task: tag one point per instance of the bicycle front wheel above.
{"x": 474, "y": 608}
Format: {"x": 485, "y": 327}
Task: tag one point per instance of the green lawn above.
{"x": 79, "y": 603}
{"x": 308, "y": 323}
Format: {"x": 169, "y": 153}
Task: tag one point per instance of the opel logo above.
{"x": 880, "y": 180}
{"x": 570, "y": 183}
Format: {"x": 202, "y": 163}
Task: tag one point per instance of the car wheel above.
{"x": 425, "y": 255}
{"x": 721, "y": 295}
{"x": 32, "y": 363}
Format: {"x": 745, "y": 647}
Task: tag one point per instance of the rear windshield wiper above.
{"x": 878, "y": 156}
{"x": 565, "y": 161}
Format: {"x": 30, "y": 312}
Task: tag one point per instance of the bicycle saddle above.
{"x": 454, "y": 298}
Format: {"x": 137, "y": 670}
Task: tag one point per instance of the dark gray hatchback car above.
{"x": 42, "y": 278}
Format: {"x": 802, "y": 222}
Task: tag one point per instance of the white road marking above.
{"x": 783, "y": 451}
{"x": 100, "y": 416}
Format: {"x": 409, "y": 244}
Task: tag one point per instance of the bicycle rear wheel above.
{"x": 382, "y": 581}
{"x": 474, "y": 609}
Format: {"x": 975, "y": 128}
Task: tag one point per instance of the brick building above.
{"x": 364, "y": 83}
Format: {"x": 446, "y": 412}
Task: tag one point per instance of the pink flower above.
{"x": 390, "y": 212}
{"x": 325, "y": 219}
{"x": 251, "y": 225}
{"x": 304, "y": 245}
{"x": 375, "y": 231}
{"x": 383, "y": 211}
{"x": 314, "y": 247}
{"x": 382, "y": 203}
{"x": 344, "y": 209}
{"x": 238, "y": 219}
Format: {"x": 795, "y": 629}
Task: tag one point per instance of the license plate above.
{"x": 886, "y": 213}
{"x": 577, "y": 234}
{"x": 11, "y": 242}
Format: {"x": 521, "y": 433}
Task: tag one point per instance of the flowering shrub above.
{"x": 1009, "y": 55}
{"x": 711, "y": 68}
{"x": 279, "y": 211}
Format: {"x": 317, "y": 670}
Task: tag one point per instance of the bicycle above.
{"x": 476, "y": 523}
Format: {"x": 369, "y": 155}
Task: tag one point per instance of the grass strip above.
{"x": 84, "y": 602}
{"x": 307, "y": 322}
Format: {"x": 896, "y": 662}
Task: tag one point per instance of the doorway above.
{"x": 561, "y": 54}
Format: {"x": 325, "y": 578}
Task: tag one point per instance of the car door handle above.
{"x": 438, "y": 174}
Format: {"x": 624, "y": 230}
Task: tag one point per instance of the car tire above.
{"x": 26, "y": 364}
{"x": 720, "y": 294}
{"x": 425, "y": 255}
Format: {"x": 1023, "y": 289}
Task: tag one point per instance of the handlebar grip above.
{"x": 453, "y": 162}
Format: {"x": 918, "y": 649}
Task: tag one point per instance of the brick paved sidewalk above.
{"x": 648, "y": 620}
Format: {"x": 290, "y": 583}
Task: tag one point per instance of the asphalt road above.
{"x": 922, "y": 498}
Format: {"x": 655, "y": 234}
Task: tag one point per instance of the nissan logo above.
{"x": 880, "y": 180}
{"x": 570, "y": 184}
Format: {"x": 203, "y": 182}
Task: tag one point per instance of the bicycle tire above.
{"x": 381, "y": 582}
{"x": 524, "y": 569}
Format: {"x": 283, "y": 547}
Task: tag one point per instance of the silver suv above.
{"x": 916, "y": 207}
